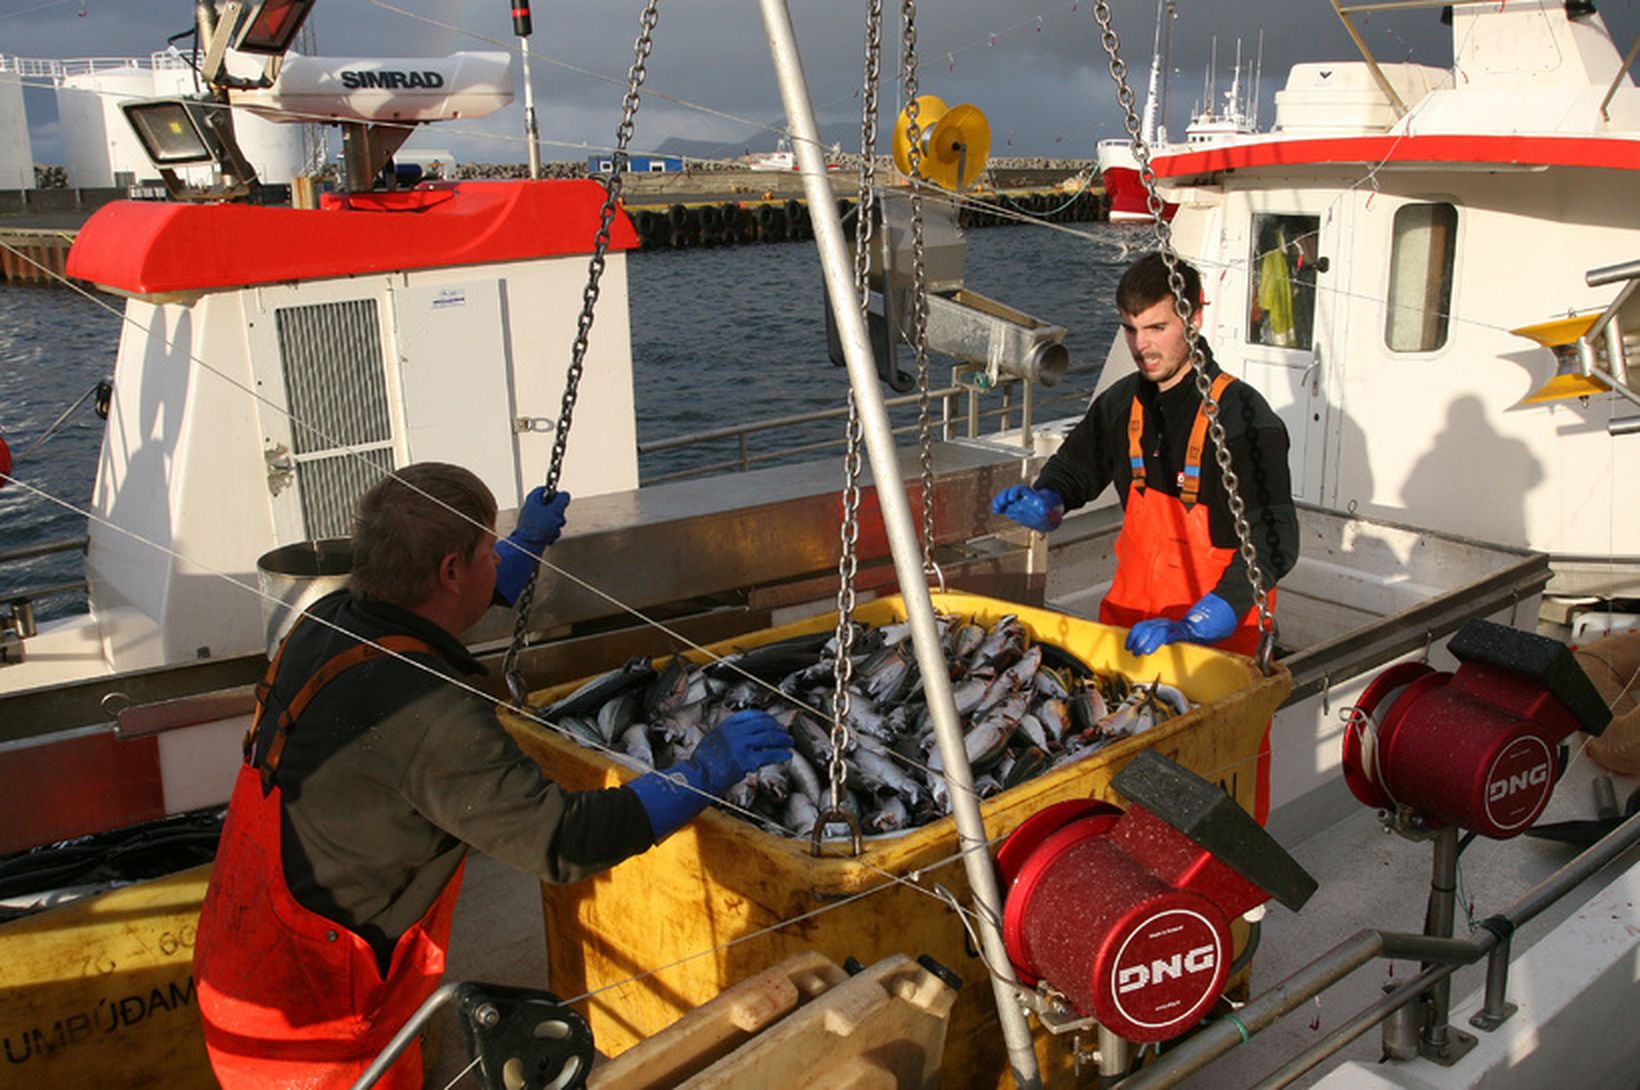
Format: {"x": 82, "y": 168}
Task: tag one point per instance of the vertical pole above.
{"x": 902, "y": 536}
{"x": 1443, "y": 903}
{"x": 522, "y": 25}
{"x": 532, "y": 136}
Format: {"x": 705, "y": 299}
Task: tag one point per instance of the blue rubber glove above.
{"x": 1039, "y": 508}
{"x": 1209, "y": 621}
{"x": 540, "y": 521}
{"x": 742, "y": 743}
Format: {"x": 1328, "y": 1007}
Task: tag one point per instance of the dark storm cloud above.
{"x": 1034, "y": 66}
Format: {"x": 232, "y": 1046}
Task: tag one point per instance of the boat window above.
{"x": 1281, "y": 289}
{"x": 1420, "y": 277}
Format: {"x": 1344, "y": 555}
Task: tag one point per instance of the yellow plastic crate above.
{"x": 101, "y": 993}
{"x": 723, "y": 899}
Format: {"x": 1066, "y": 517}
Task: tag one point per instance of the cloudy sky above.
{"x": 1034, "y": 66}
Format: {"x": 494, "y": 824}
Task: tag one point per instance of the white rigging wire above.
{"x": 914, "y": 878}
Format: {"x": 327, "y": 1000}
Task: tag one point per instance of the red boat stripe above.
{"x": 1574, "y": 151}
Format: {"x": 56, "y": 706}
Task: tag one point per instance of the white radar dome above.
{"x": 384, "y": 88}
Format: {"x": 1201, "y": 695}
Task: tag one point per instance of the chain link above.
{"x": 919, "y": 282}
{"x": 583, "y": 326}
{"x": 1184, "y": 307}
{"x": 864, "y": 234}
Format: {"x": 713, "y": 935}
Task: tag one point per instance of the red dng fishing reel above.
{"x": 1127, "y": 914}
{"x": 1474, "y": 748}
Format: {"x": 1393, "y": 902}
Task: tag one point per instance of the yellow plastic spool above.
{"x": 956, "y": 142}
{"x": 672, "y": 928}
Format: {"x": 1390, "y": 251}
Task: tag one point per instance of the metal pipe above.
{"x": 1372, "y": 62}
{"x": 1497, "y": 1007}
{"x": 26, "y": 552}
{"x": 902, "y": 536}
{"x": 1426, "y": 948}
{"x": 1610, "y": 274}
{"x": 1443, "y": 903}
{"x": 1617, "y": 80}
{"x": 1216, "y": 1038}
{"x": 407, "y": 1033}
{"x": 1293, "y": 1069}
{"x": 531, "y": 133}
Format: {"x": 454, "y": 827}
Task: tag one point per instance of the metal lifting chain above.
{"x": 919, "y": 287}
{"x": 583, "y": 328}
{"x": 864, "y": 230}
{"x": 1198, "y": 360}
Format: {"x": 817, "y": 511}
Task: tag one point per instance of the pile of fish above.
{"x": 1025, "y": 708}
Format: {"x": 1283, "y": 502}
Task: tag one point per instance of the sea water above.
{"x": 719, "y": 337}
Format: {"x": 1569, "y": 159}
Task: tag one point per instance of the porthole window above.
{"x": 1419, "y": 307}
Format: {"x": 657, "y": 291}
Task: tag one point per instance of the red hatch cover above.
{"x": 150, "y": 248}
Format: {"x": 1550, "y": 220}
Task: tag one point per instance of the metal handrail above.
{"x": 1217, "y": 1038}
{"x": 45, "y": 548}
{"x": 954, "y": 423}
{"x": 34, "y": 594}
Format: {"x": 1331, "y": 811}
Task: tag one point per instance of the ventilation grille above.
{"x": 331, "y": 487}
{"x": 341, "y": 430}
{"x": 332, "y": 354}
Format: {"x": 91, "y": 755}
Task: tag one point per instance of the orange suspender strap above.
{"x": 263, "y": 689}
{"x": 1198, "y": 441}
{"x": 1136, "y": 446}
{"x": 340, "y": 664}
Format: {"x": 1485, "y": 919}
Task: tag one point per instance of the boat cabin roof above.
{"x": 146, "y": 248}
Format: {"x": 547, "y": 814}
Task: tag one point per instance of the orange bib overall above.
{"x": 1166, "y": 560}
{"x": 290, "y": 998}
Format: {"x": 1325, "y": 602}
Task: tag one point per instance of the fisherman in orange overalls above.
{"x": 371, "y": 766}
{"x": 1179, "y": 571}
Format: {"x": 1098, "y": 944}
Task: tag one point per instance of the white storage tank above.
{"x": 99, "y": 148}
{"x": 16, "y": 158}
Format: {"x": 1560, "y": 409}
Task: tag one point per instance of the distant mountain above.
{"x": 700, "y": 149}
{"x": 760, "y": 140}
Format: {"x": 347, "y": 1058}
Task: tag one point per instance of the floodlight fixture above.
{"x": 179, "y": 132}
{"x": 173, "y": 131}
{"x": 269, "y": 26}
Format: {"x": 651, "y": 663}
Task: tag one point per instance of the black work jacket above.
{"x": 1095, "y": 455}
{"x": 395, "y": 767}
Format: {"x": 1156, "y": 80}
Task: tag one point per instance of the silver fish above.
{"x": 1050, "y": 685}
{"x": 1054, "y": 717}
{"x": 800, "y": 814}
{"x": 805, "y": 780}
{"x": 967, "y": 641}
{"x": 1175, "y": 700}
{"x": 1022, "y": 673}
{"x": 635, "y": 744}
{"x": 774, "y": 781}
{"x": 891, "y": 814}
{"x": 968, "y": 695}
{"x": 616, "y": 716}
{"x": 879, "y": 772}
{"x": 1032, "y": 728}
{"x": 742, "y": 793}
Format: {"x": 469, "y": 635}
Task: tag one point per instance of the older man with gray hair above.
{"x": 371, "y": 766}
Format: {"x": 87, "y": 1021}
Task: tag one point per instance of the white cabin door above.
{"x": 1286, "y": 333}
{"x": 455, "y": 374}
{"x": 319, "y": 358}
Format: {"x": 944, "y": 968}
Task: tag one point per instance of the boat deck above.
{"x": 1367, "y": 878}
